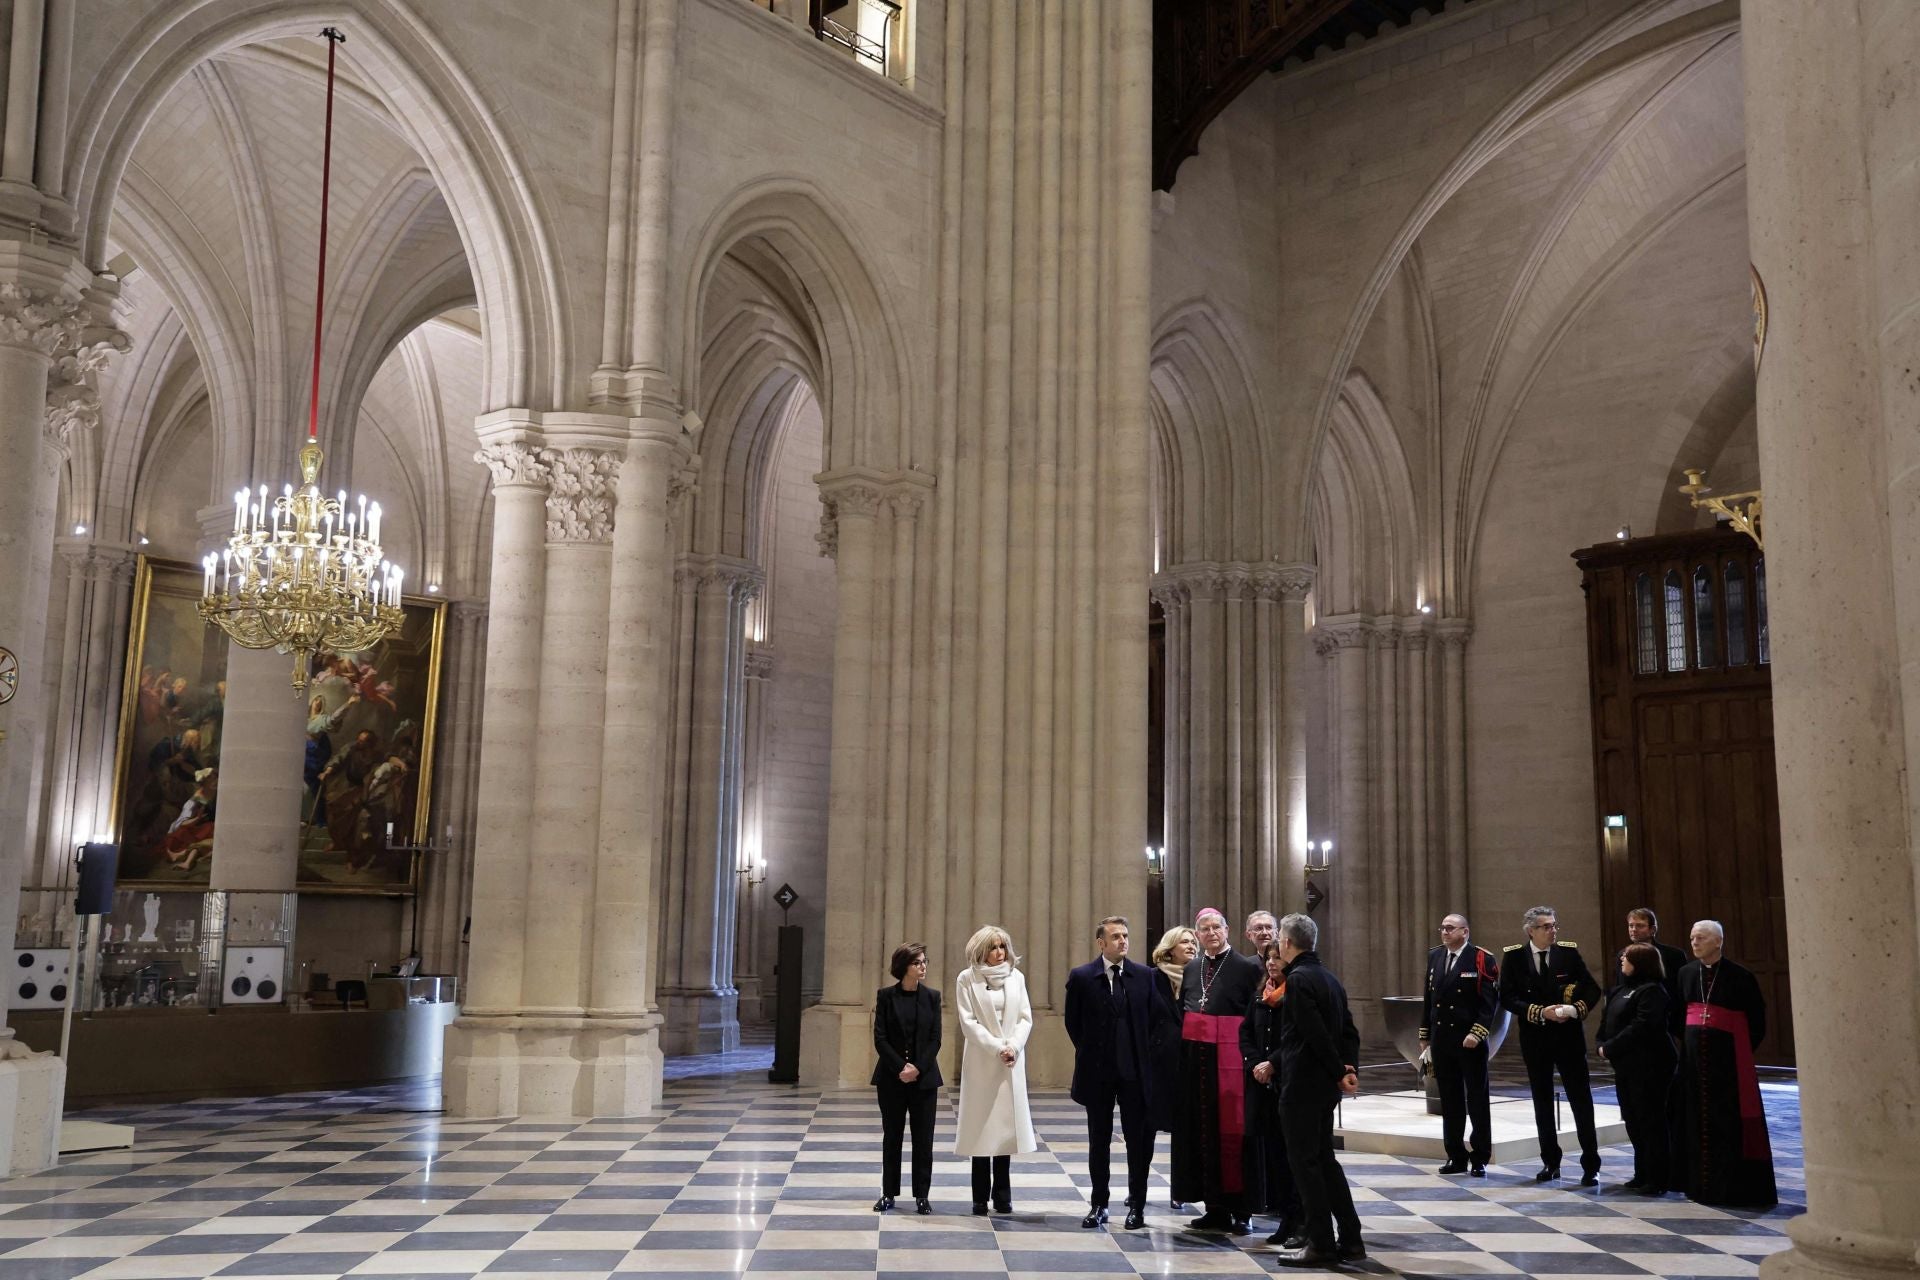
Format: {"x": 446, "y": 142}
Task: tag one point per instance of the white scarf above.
{"x": 993, "y": 975}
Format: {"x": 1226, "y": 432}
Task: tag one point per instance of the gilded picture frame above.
{"x": 367, "y": 781}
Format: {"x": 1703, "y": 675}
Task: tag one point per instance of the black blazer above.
{"x": 1089, "y": 1012}
{"x": 1464, "y": 1001}
{"x": 1525, "y": 992}
{"x": 1260, "y": 1042}
{"x": 1237, "y": 982}
{"x": 1318, "y": 1040}
{"x": 1634, "y": 1030}
{"x": 890, "y": 1039}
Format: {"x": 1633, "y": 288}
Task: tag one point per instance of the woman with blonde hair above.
{"x": 995, "y": 1020}
{"x": 1177, "y": 946}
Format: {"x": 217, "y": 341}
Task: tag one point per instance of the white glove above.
{"x": 1426, "y": 1057}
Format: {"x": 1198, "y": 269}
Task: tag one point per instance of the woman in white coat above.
{"x": 995, "y": 1020}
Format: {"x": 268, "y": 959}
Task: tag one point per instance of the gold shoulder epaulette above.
{"x": 1515, "y": 947}
{"x": 1574, "y": 945}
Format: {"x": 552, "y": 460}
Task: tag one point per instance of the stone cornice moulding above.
{"x": 1180, "y": 584}
{"x": 741, "y": 578}
{"x": 859, "y": 492}
{"x": 1382, "y": 631}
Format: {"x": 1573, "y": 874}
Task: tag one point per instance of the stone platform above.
{"x": 1397, "y": 1124}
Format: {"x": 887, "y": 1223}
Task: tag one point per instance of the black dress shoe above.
{"x": 1287, "y": 1238}
{"x": 1453, "y": 1166}
{"x": 1096, "y": 1217}
{"x": 979, "y": 1208}
{"x": 1307, "y": 1255}
{"x": 883, "y": 1204}
{"x": 1590, "y": 1178}
{"x": 921, "y": 1206}
{"x": 1240, "y": 1226}
{"x": 1354, "y": 1250}
{"x": 1632, "y": 1184}
{"x": 1135, "y": 1220}
{"x": 1211, "y": 1221}
{"x": 1478, "y": 1169}
{"x": 1003, "y": 1206}
{"x": 1547, "y": 1174}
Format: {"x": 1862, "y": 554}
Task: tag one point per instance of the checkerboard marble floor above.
{"x": 737, "y": 1176}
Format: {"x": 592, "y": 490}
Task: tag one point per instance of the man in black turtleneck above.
{"x": 1210, "y": 1113}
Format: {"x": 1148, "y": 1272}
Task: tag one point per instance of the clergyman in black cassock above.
{"x": 1537, "y": 978}
{"x": 1462, "y": 1004}
{"x": 1209, "y": 1129}
{"x": 1722, "y": 1152}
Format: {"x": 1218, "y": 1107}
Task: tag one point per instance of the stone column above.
{"x": 697, "y": 995}
{"x": 1346, "y": 924}
{"x": 749, "y": 953}
{"x": 1416, "y": 789}
{"x": 49, "y": 329}
{"x": 92, "y": 662}
{"x": 1453, "y": 634}
{"x": 1174, "y": 598}
{"x": 1833, "y": 156}
{"x": 448, "y": 874}
{"x": 1296, "y": 580}
{"x": 503, "y": 817}
{"x": 833, "y": 1030}
{"x": 567, "y": 757}
{"x": 562, "y": 882}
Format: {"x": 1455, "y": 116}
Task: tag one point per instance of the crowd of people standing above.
{"x": 1243, "y": 1060}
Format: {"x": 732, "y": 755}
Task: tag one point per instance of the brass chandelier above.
{"x": 303, "y": 572}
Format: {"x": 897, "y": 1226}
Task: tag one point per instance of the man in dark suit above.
{"x": 1463, "y": 1002}
{"x": 1545, "y": 985}
{"x": 1319, "y": 1050}
{"x": 906, "y": 1037}
{"x": 1209, "y": 1125}
{"x": 1644, "y": 926}
{"x": 1111, "y": 1012}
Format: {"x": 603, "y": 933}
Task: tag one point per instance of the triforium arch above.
{"x": 434, "y": 104}
{"x": 1365, "y": 524}
{"x": 1210, "y": 489}
{"x": 861, "y": 374}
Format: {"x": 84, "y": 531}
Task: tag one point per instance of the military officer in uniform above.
{"x": 1546, "y": 986}
{"x": 1463, "y": 1000}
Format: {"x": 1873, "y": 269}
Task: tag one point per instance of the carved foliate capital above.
{"x": 48, "y": 323}
{"x": 1241, "y": 580}
{"x": 1453, "y": 633}
{"x": 469, "y": 613}
{"x": 580, "y": 494}
{"x": 1169, "y": 593}
{"x": 759, "y": 664}
{"x": 515, "y": 465}
{"x": 1293, "y": 581}
{"x": 859, "y": 493}
{"x": 74, "y": 415}
{"x": 1345, "y": 633}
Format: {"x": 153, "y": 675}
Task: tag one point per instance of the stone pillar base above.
{"x": 754, "y": 1003}
{"x": 33, "y": 1089}
{"x": 699, "y": 1022}
{"x": 836, "y": 1046}
{"x": 513, "y": 1066}
{"x": 1820, "y": 1253}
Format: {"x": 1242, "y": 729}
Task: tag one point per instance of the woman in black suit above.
{"x": 1634, "y": 1039}
{"x": 1270, "y": 1186}
{"x": 906, "y": 1035}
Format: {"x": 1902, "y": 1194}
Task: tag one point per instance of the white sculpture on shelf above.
{"x": 151, "y": 910}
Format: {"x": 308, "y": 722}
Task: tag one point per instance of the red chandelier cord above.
{"x": 334, "y": 39}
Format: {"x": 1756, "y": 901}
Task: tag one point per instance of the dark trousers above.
{"x": 1643, "y": 1105}
{"x": 898, "y": 1105}
{"x": 1567, "y": 1054}
{"x": 1461, "y": 1075}
{"x": 1326, "y": 1202}
{"x": 1136, "y": 1127}
{"x": 1268, "y": 1152}
{"x": 993, "y": 1174}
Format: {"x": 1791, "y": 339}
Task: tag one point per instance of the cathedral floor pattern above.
{"x": 736, "y": 1176}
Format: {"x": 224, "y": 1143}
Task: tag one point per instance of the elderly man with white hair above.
{"x": 1722, "y": 1155}
{"x": 1209, "y": 1121}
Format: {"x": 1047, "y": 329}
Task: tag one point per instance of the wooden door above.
{"x": 1687, "y": 814}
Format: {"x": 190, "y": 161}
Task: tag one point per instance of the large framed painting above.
{"x": 366, "y": 780}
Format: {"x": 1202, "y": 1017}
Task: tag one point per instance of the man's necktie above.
{"x": 1113, "y": 983}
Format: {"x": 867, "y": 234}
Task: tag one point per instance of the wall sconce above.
{"x": 1325, "y": 849}
{"x": 752, "y": 869}
{"x": 1156, "y": 860}
{"x": 1624, "y": 532}
{"x": 1613, "y": 838}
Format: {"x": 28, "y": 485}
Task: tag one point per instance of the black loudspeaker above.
{"x": 99, "y": 867}
{"x": 786, "y": 1008}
